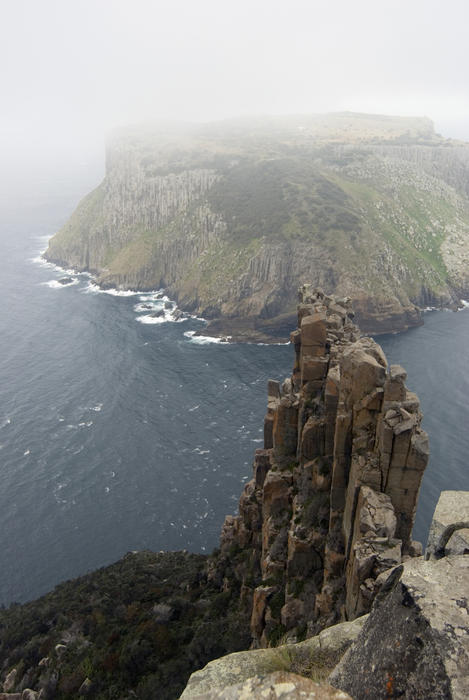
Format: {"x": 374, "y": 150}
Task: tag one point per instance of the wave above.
{"x": 39, "y": 260}
{"x": 168, "y": 316}
{"x": 55, "y": 284}
{"x": 157, "y": 295}
{"x": 93, "y": 288}
{"x": 206, "y": 339}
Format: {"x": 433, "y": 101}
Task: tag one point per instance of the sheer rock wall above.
{"x": 332, "y": 501}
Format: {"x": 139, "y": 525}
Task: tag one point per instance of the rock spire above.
{"x": 333, "y": 497}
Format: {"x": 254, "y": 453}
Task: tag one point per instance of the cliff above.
{"x": 232, "y": 217}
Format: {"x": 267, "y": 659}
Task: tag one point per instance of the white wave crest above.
{"x": 206, "y": 339}
{"x": 93, "y": 288}
{"x": 55, "y": 284}
{"x": 158, "y": 295}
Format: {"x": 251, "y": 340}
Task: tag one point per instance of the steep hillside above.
{"x": 232, "y": 217}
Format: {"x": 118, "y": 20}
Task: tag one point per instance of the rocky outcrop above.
{"x": 232, "y": 219}
{"x": 449, "y": 530}
{"x": 279, "y": 685}
{"x": 314, "y": 657}
{"x": 331, "y": 506}
{"x": 415, "y": 643}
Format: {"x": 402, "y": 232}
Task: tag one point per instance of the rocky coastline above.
{"x": 319, "y": 561}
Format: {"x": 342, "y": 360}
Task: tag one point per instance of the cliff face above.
{"x": 232, "y": 218}
{"x": 332, "y": 503}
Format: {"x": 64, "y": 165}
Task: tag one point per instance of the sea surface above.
{"x": 120, "y": 430}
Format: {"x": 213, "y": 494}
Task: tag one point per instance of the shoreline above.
{"x": 232, "y": 330}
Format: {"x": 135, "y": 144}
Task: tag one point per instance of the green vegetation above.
{"x": 137, "y": 628}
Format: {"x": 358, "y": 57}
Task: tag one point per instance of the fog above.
{"x": 71, "y": 70}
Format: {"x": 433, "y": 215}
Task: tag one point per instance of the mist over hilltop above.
{"x": 73, "y": 71}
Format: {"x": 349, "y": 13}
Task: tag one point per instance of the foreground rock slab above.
{"x": 415, "y": 643}
{"x": 449, "y": 531}
{"x": 314, "y": 657}
{"x": 276, "y": 686}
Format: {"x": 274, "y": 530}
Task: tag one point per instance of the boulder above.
{"x": 415, "y": 643}
{"x": 279, "y": 685}
{"x": 452, "y": 509}
{"x": 314, "y": 657}
{"x": 10, "y": 680}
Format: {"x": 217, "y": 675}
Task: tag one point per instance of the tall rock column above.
{"x": 332, "y": 502}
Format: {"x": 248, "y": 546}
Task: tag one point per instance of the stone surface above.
{"x": 452, "y": 508}
{"x": 315, "y": 656}
{"x": 10, "y": 680}
{"x": 415, "y": 643}
{"x": 279, "y": 685}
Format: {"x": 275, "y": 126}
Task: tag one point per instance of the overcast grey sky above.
{"x": 72, "y": 69}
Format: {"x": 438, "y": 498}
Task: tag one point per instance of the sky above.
{"x": 71, "y": 70}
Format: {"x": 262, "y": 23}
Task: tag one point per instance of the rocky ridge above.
{"x": 231, "y": 218}
{"x": 332, "y": 503}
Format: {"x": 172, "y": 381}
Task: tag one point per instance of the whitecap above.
{"x": 194, "y": 408}
{"x": 146, "y": 306}
{"x": 120, "y": 292}
{"x": 154, "y": 296}
{"x": 93, "y": 288}
{"x": 55, "y": 284}
{"x": 96, "y": 408}
{"x": 465, "y": 303}
{"x": 205, "y": 339}
{"x": 39, "y": 260}
{"x": 5, "y": 421}
{"x": 151, "y": 320}
{"x": 107, "y": 489}
{"x": 28, "y": 452}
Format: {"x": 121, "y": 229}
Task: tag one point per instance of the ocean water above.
{"x": 119, "y": 430}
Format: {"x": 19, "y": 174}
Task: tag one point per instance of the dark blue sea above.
{"x": 121, "y": 431}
